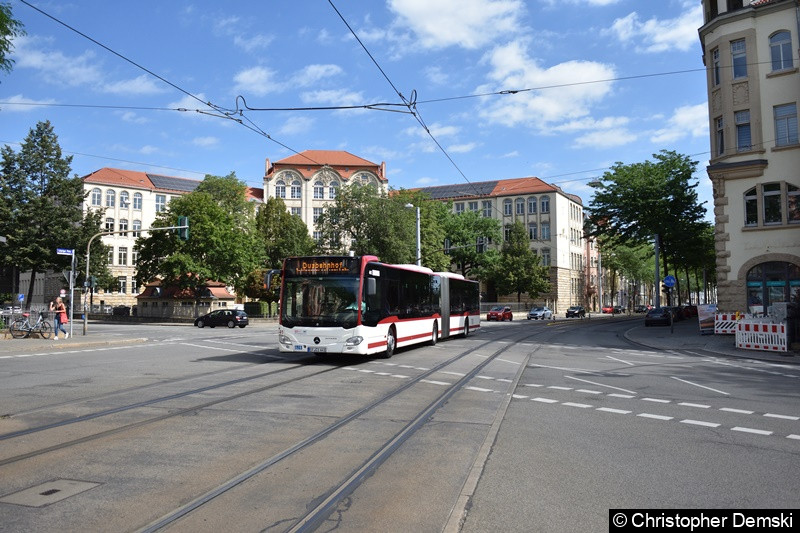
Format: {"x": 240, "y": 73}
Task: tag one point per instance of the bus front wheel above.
{"x": 391, "y": 343}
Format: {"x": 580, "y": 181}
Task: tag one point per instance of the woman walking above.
{"x": 60, "y": 317}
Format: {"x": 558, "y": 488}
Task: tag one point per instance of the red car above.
{"x": 499, "y": 313}
{"x": 608, "y": 309}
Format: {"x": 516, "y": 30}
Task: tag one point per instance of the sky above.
{"x": 442, "y": 91}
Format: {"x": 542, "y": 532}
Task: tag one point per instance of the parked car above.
{"x": 659, "y": 316}
{"x": 223, "y": 317}
{"x": 608, "y": 309}
{"x": 641, "y": 308}
{"x": 500, "y": 313}
{"x": 12, "y": 310}
{"x": 540, "y": 313}
{"x": 121, "y": 310}
{"x": 689, "y": 311}
{"x": 576, "y": 311}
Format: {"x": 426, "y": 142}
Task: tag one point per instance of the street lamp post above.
{"x": 419, "y": 248}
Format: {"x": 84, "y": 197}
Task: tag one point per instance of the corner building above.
{"x": 750, "y": 50}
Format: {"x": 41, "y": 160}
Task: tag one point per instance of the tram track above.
{"x": 324, "y": 505}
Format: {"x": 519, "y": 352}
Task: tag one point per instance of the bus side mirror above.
{"x": 372, "y": 287}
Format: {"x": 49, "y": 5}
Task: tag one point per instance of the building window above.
{"x": 771, "y": 194}
{"x": 133, "y": 286}
{"x": 317, "y": 214}
{"x": 751, "y": 208}
{"x": 296, "y": 190}
{"x": 317, "y": 237}
{"x": 296, "y": 211}
{"x": 137, "y": 228}
{"x": 487, "y": 209}
{"x": 473, "y": 206}
{"x": 545, "y": 204}
{"x": 137, "y": 201}
{"x": 532, "y": 205}
{"x": 772, "y": 282}
{"x": 459, "y": 207}
{"x": 161, "y": 202}
{"x": 122, "y": 256}
{"x": 123, "y": 226}
{"x": 110, "y": 256}
{"x": 109, "y": 224}
{"x": 506, "y": 232}
{"x": 715, "y": 79}
{"x": 792, "y": 204}
{"x": 333, "y": 189}
{"x": 134, "y": 261}
{"x": 785, "y": 124}
{"x": 780, "y": 49}
{"x": 97, "y": 197}
{"x": 545, "y": 257}
{"x": 720, "y": 135}
{"x": 507, "y": 207}
{"x": 533, "y": 231}
{"x": 545, "y": 231}
{"x": 111, "y": 196}
{"x": 520, "y": 204}
{"x": 743, "y": 140}
{"x": 319, "y": 191}
{"x": 124, "y": 200}
{"x": 739, "y": 55}
{"x": 280, "y": 189}
{"x": 123, "y": 282}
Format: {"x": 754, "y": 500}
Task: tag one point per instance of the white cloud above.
{"x": 313, "y": 74}
{"x": 20, "y": 104}
{"x": 605, "y": 138}
{"x": 466, "y": 23}
{"x": 332, "y": 97}
{"x": 253, "y": 42}
{"x": 205, "y": 142}
{"x": 133, "y": 118}
{"x": 54, "y": 66}
{"x": 259, "y": 81}
{"x": 462, "y": 148}
{"x": 654, "y": 35}
{"x": 691, "y": 121}
{"x": 567, "y": 91}
{"x": 297, "y": 125}
{"x": 148, "y": 150}
{"x": 143, "y": 84}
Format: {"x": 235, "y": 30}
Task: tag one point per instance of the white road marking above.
{"x": 620, "y": 360}
{"x": 579, "y": 370}
{"x": 655, "y": 417}
{"x": 793, "y": 436}
{"x": 626, "y": 396}
{"x": 556, "y": 387}
{"x": 589, "y": 391}
{"x": 600, "y": 384}
{"x": 784, "y": 417}
{"x": 740, "y": 411}
{"x": 698, "y": 405}
{"x": 435, "y": 382}
{"x": 751, "y": 430}
{"x": 610, "y": 410}
{"x": 701, "y": 386}
{"x": 700, "y": 423}
{"x": 581, "y": 405}
{"x": 656, "y": 400}
{"x": 544, "y": 400}
{"x": 479, "y": 389}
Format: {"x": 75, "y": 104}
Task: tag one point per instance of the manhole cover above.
{"x": 47, "y": 493}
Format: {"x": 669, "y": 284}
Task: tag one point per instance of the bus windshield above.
{"x": 320, "y": 301}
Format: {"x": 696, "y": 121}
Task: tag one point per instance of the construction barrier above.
{"x": 725, "y": 323}
{"x": 766, "y": 336}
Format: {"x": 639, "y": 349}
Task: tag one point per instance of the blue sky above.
{"x": 557, "y": 89}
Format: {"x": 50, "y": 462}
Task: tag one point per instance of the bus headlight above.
{"x": 354, "y": 341}
{"x": 283, "y": 339}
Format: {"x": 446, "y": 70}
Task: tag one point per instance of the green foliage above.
{"x": 282, "y": 235}
{"x": 224, "y": 244}
{"x": 9, "y": 28}
{"x": 463, "y": 230}
{"x": 519, "y": 269}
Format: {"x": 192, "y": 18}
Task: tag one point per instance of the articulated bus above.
{"x": 358, "y": 305}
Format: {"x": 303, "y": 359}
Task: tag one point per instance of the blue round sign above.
{"x": 670, "y": 281}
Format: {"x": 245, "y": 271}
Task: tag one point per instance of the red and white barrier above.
{"x": 725, "y": 323}
{"x": 766, "y": 336}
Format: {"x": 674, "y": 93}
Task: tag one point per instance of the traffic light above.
{"x": 447, "y": 246}
{"x": 183, "y": 228}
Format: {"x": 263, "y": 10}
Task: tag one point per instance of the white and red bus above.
{"x": 358, "y": 305}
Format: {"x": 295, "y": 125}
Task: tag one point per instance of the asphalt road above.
{"x": 525, "y": 426}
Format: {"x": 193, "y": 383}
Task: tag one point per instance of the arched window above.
{"x": 533, "y": 231}
{"x": 319, "y": 190}
{"x": 333, "y": 189}
{"x": 97, "y": 197}
{"x": 124, "y": 199}
{"x": 123, "y": 226}
{"x": 111, "y": 196}
{"x": 507, "y": 203}
{"x": 772, "y": 282}
{"x": 545, "y": 231}
{"x": 109, "y": 224}
{"x": 532, "y": 205}
{"x": 137, "y": 201}
{"x": 280, "y": 189}
{"x": 520, "y": 205}
{"x": 137, "y": 228}
{"x": 296, "y": 190}
{"x": 780, "y": 50}
{"x": 545, "y": 204}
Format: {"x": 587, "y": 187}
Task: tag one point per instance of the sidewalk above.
{"x": 686, "y": 336}
{"x": 9, "y": 345}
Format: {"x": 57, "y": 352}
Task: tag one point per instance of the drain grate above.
{"x": 49, "y": 492}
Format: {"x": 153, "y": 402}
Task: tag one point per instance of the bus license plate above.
{"x": 317, "y": 349}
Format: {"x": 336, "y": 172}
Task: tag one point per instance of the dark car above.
{"x": 641, "y": 309}
{"x": 498, "y": 312}
{"x": 576, "y": 311}
{"x": 223, "y": 317}
{"x": 660, "y": 316}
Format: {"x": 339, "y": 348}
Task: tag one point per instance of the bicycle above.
{"x": 22, "y": 328}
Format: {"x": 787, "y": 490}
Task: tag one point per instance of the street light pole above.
{"x": 419, "y": 247}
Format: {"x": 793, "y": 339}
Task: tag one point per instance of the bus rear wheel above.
{"x": 435, "y": 334}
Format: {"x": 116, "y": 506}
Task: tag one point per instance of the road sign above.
{"x": 65, "y": 251}
{"x": 20, "y": 297}
{"x": 670, "y": 281}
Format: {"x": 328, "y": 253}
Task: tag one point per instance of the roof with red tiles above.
{"x": 486, "y": 189}
{"x": 308, "y": 162}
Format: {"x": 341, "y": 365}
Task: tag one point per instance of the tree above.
{"x": 463, "y": 231}
{"x": 40, "y": 205}
{"x": 519, "y": 269}
{"x": 283, "y": 235}
{"x": 223, "y": 244}
{"x": 9, "y": 28}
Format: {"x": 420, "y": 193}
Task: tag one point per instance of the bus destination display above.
{"x": 322, "y": 266}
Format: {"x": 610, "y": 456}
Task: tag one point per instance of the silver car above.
{"x": 544, "y": 313}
